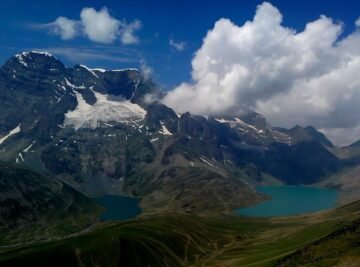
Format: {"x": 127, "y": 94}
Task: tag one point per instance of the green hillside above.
{"x": 36, "y": 206}
{"x": 189, "y": 240}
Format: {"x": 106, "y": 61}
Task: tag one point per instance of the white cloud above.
{"x": 97, "y": 26}
{"x": 150, "y": 98}
{"x": 146, "y": 70}
{"x": 128, "y": 30}
{"x": 308, "y": 77}
{"x": 92, "y": 54}
{"x": 179, "y": 46}
{"x": 342, "y": 136}
{"x": 357, "y": 22}
{"x": 65, "y": 27}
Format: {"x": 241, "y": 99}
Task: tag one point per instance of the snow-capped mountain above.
{"x": 96, "y": 130}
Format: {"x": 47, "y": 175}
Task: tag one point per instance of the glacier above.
{"x": 106, "y": 109}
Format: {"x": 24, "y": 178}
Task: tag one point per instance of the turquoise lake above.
{"x": 291, "y": 200}
{"x": 118, "y": 207}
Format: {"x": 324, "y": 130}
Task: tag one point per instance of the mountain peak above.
{"x": 100, "y": 70}
{"x": 255, "y": 119}
{"x": 319, "y": 136}
{"x": 308, "y": 133}
{"x": 31, "y": 67}
{"x": 35, "y": 60}
{"x": 25, "y": 56}
{"x": 47, "y": 54}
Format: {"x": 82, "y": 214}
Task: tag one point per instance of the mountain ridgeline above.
{"x": 97, "y": 131}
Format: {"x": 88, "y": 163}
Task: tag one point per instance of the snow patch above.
{"x": 207, "y": 162}
{"x": 21, "y": 59}
{"x": 89, "y": 70}
{"x": 41, "y": 53}
{"x": 12, "y": 132}
{"x": 164, "y": 130}
{"x": 119, "y": 70}
{"x": 237, "y": 122}
{"x": 58, "y": 99}
{"x": 222, "y": 120}
{"x": 104, "y": 110}
{"x": 73, "y": 85}
{"x": 21, "y": 56}
{"x": 26, "y": 150}
{"x": 136, "y": 87}
{"x": 98, "y": 69}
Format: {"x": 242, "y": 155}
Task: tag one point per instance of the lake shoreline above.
{"x": 291, "y": 201}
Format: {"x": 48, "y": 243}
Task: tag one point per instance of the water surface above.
{"x": 119, "y": 207}
{"x": 291, "y": 200}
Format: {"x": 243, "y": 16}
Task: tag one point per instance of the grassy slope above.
{"x": 340, "y": 248}
{"x": 79, "y": 216}
{"x": 186, "y": 240}
{"x": 41, "y": 207}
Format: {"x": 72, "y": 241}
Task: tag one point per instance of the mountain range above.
{"x": 71, "y": 134}
{"x": 100, "y": 132}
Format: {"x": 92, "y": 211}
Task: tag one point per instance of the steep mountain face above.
{"x": 295, "y": 156}
{"x": 95, "y": 130}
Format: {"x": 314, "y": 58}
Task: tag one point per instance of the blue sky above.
{"x": 180, "y": 20}
{"x": 280, "y": 58}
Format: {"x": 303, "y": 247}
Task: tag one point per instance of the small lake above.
{"x": 118, "y": 207}
{"x": 291, "y": 200}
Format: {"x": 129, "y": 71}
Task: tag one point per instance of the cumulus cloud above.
{"x": 357, "y": 22}
{"x": 179, "y": 46}
{"x": 97, "y": 26}
{"x": 65, "y": 27}
{"x": 128, "y": 32}
{"x": 308, "y": 77}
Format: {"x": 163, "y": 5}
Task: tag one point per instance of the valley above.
{"x": 190, "y": 240}
{"x": 92, "y": 173}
